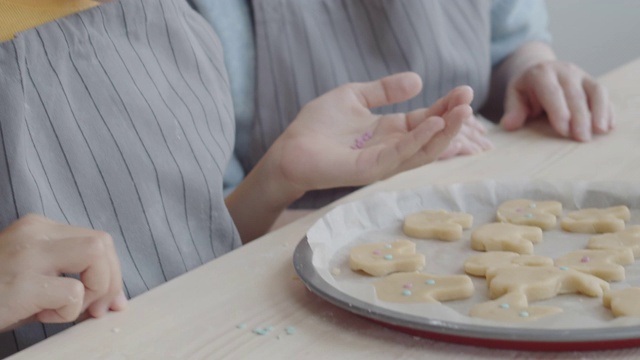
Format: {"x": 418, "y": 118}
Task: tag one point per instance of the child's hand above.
{"x": 34, "y": 252}
{"x": 576, "y": 104}
{"x": 471, "y": 139}
{"x": 336, "y": 141}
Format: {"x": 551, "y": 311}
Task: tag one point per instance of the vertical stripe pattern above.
{"x": 305, "y": 49}
{"x": 120, "y": 119}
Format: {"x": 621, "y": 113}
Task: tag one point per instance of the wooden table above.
{"x": 199, "y": 315}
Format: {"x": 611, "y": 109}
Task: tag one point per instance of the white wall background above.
{"x": 598, "y": 35}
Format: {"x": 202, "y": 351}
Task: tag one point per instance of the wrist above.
{"x": 261, "y": 197}
{"x": 277, "y": 189}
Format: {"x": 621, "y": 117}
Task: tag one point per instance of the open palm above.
{"x": 337, "y": 141}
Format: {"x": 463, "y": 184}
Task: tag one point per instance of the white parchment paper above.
{"x": 379, "y": 218}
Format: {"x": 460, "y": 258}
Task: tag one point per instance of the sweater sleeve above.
{"x": 515, "y": 22}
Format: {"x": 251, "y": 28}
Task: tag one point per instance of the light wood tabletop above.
{"x": 211, "y": 312}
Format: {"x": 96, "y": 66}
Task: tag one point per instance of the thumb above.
{"x": 516, "y": 110}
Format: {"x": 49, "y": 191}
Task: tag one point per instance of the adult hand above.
{"x": 34, "y": 252}
{"x": 576, "y": 104}
{"x": 336, "y": 141}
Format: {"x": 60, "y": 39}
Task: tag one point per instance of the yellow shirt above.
{"x": 20, "y": 15}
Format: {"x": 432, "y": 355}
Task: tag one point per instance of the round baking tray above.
{"x": 468, "y": 334}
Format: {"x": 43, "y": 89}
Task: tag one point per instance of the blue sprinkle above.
{"x": 564, "y": 268}
{"x": 260, "y": 331}
{"x": 388, "y": 257}
{"x": 290, "y": 330}
{"x": 406, "y": 292}
{"x": 504, "y": 306}
{"x": 430, "y": 282}
{"x": 523, "y": 314}
{"x": 528, "y": 216}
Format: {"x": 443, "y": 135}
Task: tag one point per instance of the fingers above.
{"x": 580, "y": 117}
{"x": 461, "y": 95}
{"x": 50, "y": 298}
{"x": 388, "y": 90}
{"x": 59, "y": 299}
{"x": 475, "y": 124}
{"x": 551, "y": 96}
{"x": 601, "y": 118}
{"x": 470, "y": 140}
{"x": 454, "y": 149}
{"x": 516, "y": 110}
{"x": 477, "y": 140}
{"x": 576, "y": 105}
{"x": 95, "y": 259}
{"x": 406, "y": 147}
{"x": 47, "y": 249}
{"x": 439, "y": 143}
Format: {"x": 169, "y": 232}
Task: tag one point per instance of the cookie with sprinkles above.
{"x": 542, "y": 214}
{"x": 379, "y": 259}
{"x": 608, "y": 265}
{"x": 423, "y": 288}
{"x": 512, "y": 307}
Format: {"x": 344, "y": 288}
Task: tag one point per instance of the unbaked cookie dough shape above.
{"x": 379, "y": 259}
{"x": 596, "y": 220}
{"x": 437, "y": 224}
{"x": 542, "y": 282}
{"x": 477, "y": 265}
{"x": 605, "y": 264}
{"x": 542, "y": 214}
{"x": 625, "y": 239}
{"x": 512, "y": 307}
{"x": 623, "y": 302}
{"x": 506, "y": 237}
{"x": 423, "y": 288}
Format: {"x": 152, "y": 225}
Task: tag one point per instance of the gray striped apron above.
{"x": 305, "y": 48}
{"x": 120, "y": 119}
